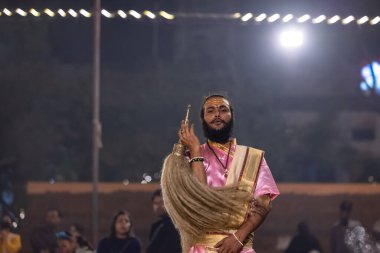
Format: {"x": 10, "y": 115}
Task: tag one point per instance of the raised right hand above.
{"x": 188, "y": 138}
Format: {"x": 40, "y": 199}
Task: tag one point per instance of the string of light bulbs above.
{"x": 242, "y": 17}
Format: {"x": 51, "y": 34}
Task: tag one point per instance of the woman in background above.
{"x": 121, "y": 238}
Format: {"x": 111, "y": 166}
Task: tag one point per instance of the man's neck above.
{"x": 225, "y": 144}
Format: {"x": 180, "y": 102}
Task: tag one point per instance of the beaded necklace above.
{"x": 228, "y": 156}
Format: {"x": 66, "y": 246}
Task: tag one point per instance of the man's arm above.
{"x": 259, "y": 210}
{"x": 190, "y": 140}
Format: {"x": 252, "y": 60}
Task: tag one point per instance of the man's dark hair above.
{"x": 156, "y": 193}
{"x": 215, "y": 96}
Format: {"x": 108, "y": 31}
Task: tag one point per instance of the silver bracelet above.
{"x": 196, "y": 159}
{"x": 237, "y": 239}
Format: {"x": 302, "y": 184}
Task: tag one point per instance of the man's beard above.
{"x": 220, "y": 135}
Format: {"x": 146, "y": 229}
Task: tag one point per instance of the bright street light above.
{"x": 291, "y": 38}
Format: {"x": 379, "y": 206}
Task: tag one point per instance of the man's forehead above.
{"x": 216, "y": 101}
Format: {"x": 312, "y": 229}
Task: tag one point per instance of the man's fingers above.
{"x": 219, "y": 243}
{"x": 184, "y": 127}
{"x": 187, "y": 127}
{"x": 192, "y": 129}
{"x": 180, "y": 134}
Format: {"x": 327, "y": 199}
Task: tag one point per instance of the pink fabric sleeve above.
{"x": 265, "y": 182}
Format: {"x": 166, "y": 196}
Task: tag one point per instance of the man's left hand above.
{"x": 228, "y": 245}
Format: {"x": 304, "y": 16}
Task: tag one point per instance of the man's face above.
{"x": 217, "y": 122}
{"x": 52, "y": 218}
{"x": 158, "y": 206}
{"x": 217, "y": 113}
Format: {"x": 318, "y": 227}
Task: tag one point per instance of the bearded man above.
{"x": 239, "y": 191}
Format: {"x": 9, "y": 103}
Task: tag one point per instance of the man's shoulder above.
{"x": 204, "y": 146}
{"x": 251, "y": 148}
{"x": 245, "y": 146}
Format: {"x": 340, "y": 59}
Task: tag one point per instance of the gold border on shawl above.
{"x": 244, "y": 169}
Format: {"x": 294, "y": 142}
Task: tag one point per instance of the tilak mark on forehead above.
{"x": 216, "y": 102}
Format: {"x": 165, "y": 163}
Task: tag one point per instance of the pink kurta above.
{"x": 215, "y": 178}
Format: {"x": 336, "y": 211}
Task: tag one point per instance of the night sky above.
{"x": 50, "y": 61}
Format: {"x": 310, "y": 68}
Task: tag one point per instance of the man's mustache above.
{"x": 213, "y": 121}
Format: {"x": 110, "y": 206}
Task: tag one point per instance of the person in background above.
{"x": 9, "y": 242}
{"x": 43, "y": 238}
{"x": 342, "y": 229}
{"x": 67, "y": 244}
{"x": 376, "y": 235}
{"x": 163, "y": 237}
{"x": 77, "y": 231}
{"x": 121, "y": 238}
{"x": 304, "y": 241}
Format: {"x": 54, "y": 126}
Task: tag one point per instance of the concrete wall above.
{"x": 316, "y": 203}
